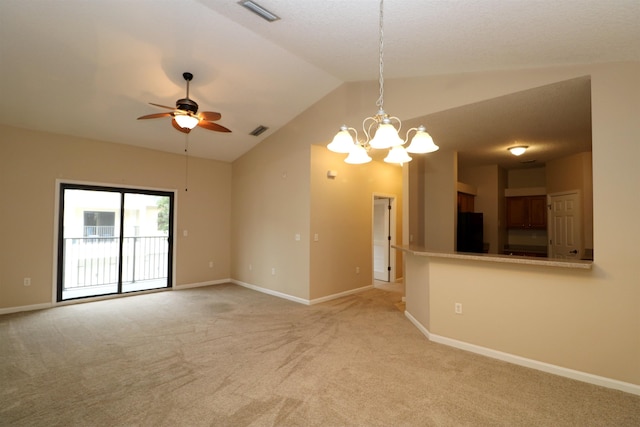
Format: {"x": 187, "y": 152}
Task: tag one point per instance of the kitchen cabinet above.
{"x": 465, "y": 202}
{"x": 527, "y": 212}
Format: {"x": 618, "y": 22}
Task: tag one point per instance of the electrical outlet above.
{"x": 357, "y": 270}
{"x": 27, "y": 281}
{"x": 458, "y": 308}
{"x": 273, "y": 271}
{"x": 210, "y": 264}
{"x": 250, "y": 267}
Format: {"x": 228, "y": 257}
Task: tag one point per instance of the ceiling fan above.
{"x": 185, "y": 117}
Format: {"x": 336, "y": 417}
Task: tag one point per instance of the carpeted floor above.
{"x": 228, "y": 356}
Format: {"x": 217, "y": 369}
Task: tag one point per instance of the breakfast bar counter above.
{"x": 505, "y": 259}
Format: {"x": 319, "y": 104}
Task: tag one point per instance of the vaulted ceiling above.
{"x": 90, "y": 68}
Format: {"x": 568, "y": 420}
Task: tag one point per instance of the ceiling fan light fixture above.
{"x": 518, "y": 150}
{"x": 186, "y": 121}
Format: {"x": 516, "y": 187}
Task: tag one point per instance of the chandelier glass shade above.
{"x": 381, "y": 131}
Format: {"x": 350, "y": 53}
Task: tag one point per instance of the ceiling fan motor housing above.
{"x": 186, "y": 104}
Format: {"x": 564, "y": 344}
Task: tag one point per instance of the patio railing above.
{"x": 93, "y": 261}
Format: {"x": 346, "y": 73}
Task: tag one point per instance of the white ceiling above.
{"x": 89, "y": 68}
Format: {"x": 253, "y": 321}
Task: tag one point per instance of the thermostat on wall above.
{"x": 332, "y": 174}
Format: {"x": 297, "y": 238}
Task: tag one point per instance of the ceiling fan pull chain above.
{"x": 186, "y": 162}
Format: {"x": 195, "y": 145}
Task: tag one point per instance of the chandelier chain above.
{"x": 380, "y": 102}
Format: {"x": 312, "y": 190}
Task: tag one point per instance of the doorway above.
{"x": 565, "y": 225}
{"x": 383, "y": 237}
{"x": 113, "y": 241}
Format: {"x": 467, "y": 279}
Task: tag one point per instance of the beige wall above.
{"x": 30, "y": 164}
{"x": 441, "y": 199}
{"x": 527, "y": 178}
{"x": 341, "y": 215}
{"x": 583, "y": 320}
{"x": 270, "y": 206}
{"x": 269, "y": 210}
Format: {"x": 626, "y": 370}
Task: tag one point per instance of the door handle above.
{"x": 575, "y": 251}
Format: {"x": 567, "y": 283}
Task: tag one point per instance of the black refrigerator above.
{"x": 469, "y": 237}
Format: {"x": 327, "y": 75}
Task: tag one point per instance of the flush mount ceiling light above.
{"x": 518, "y": 150}
{"x": 259, "y": 10}
{"x": 380, "y": 131}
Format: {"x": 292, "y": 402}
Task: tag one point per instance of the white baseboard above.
{"x": 270, "y": 292}
{"x": 201, "y": 284}
{"x": 339, "y": 295}
{"x": 25, "y": 308}
{"x": 529, "y": 363}
{"x": 105, "y": 297}
{"x": 298, "y": 299}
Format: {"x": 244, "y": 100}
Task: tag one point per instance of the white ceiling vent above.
{"x": 257, "y": 131}
{"x": 259, "y": 10}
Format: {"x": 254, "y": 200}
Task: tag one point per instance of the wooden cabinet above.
{"x": 528, "y": 212}
{"x": 465, "y": 202}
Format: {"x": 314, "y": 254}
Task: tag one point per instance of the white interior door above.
{"x": 565, "y": 225}
{"x": 381, "y": 239}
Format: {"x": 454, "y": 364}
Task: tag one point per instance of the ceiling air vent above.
{"x": 257, "y": 131}
{"x": 259, "y": 10}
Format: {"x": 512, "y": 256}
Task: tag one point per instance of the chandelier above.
{"x": 380, "y": 131}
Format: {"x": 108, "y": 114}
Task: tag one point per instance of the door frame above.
{"x": 551, "y": 225}
{"x": 171, "y": 276}
{"x": 392, "y": 231}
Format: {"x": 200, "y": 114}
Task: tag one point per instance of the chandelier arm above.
{"x": 409, "y": 133}
{"x": 355, "y": 132}
{"x": 367, "y": 130}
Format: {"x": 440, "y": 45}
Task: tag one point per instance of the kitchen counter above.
{"x": 505, "y": 259}
{"x": 525, "y": 250}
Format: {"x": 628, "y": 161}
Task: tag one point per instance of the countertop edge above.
{"x": 504, "y": 259}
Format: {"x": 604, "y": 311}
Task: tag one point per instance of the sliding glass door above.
{"x": 113, "y": 240}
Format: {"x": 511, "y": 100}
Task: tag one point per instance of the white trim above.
{"x": 54, "y": 304}
{"x": 393, "y": 199}
{"x": 339, "y": 295}
{"x": 201, "y": 284}
{"x": 32, "y": 307}
{"x": 528, "y": 363}
{"x": 298, "y": 299}
{"x": 270, "y": 292}
{"x": 109, "y": 296}
{"x": 418, "y": 325}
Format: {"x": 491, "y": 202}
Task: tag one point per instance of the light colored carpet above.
{"x": 228, "y": 356}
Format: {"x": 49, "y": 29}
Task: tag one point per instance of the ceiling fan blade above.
{"x": 163, "y": 106}
{"x": 177, "y": 127}
{"x": 212, "y": 126}
{"x": 210, "y": 115}
{"x": 155, "y": 116}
